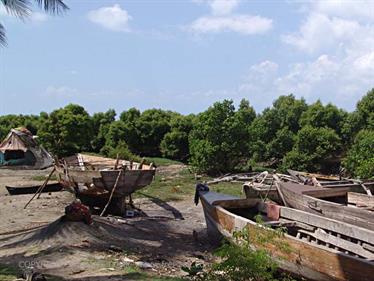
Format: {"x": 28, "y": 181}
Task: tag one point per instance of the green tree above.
{"x": 361, "y": 118}
{"x": 8, "y": 122}
{"x": 22, "y": 9}
{"x": 101, "y": 122}
{"x": 329, "y": 116}
{"x": 152, "y": 125}
{"x": 360, "y": 158}
{"x": 66, "y": 130}
{"x": 315, "y": 149}
{"x": 265, "y": 142}
{"x": 218, "y": 141}
{"x": 175, "y": 145}
{"x": 365, "y": 111}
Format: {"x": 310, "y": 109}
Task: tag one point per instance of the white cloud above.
{"x": 222, "y": 19}
{"x": 113, "y": 18}
{"x": 352, "y": 9}
{"x": 319, "y": 32}
{"x": 327, "y": 78}
{"x": 238, "y": 23}
{"x": 223, "y": 7}
{"x": 338, "y": 38}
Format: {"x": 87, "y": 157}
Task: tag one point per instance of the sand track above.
{"x": 75, "y": 251}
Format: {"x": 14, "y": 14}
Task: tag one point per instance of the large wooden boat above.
{"x": 96, "y": 179}
{"x": 327, "y": 202}
{"x": 313, "y": 247}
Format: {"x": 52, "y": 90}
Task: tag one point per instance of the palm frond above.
{"x": 53, "y": 6}
{"x": 2, "y": 36}
{"x": 19, "y": 8}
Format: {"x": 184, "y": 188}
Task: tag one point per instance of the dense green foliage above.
{"x": 360, "y": 158}
{"x": 289, "y": 134}
{"x": 219, "y": 139}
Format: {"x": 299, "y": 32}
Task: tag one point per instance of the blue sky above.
{"x": 184, "y": 55}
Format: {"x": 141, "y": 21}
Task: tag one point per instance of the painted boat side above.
{"x": 304, "y": 259}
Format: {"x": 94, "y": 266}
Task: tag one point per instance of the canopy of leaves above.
{"x": 268, "y": 133}
{"x": 360, "y": 158}
{"x": 315, "y": 149}
{"x": 218, "y": 141}
{"x": 67, "y": 130}
{"x": 175, "y": 143}
{"x": 318, "y": 115}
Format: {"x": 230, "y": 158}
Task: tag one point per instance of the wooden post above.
{"x": 117, "y": 161}
{"x": 280, "y": 193}
{"x": 112, "y": 192}
{"x": 40, "y": 189}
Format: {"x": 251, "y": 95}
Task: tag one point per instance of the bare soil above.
{"x": 165, "y": 237}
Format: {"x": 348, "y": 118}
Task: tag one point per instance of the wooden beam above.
{"x": 360, "y": 199}
{"x": 327, "y": 192}
{"x": 237, "y": 203}
{"x": 339, "y": 227}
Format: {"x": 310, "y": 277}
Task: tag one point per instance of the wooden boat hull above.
{"x": 17, "y": 190}
{"x": 304, "y": 259}
{"x": 300, "y": 201}
{"x": 129, "y": 181}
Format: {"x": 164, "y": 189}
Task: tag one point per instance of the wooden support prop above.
{"x": 141, "y": 164}
{"x": 279, "y": 190}
{"x": 112, "y": 192}
{"x": 40, "y": 189}
{"x": 117, "y": 160}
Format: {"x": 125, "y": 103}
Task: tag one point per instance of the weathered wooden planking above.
{"x": 304, "y": 259}
{"x": 329, "y": 224}
{"x": 360, "y": 199}
{"x": 357, "y": 249}
{"x": 327, "y": 192}
{"x": 355, "y": 216}
{"x": 129, "y": 181}
{"x": 79, "y": 176}
{"x": 238, "y": 203}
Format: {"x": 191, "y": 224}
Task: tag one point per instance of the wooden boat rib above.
{"x": 318, "y": 248}
{"x": 16, "y": 190}
{"x": 307, "y": 198}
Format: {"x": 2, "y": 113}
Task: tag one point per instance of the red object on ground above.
{"x": 273, "y": 211}
{"x": 76, "y": 211}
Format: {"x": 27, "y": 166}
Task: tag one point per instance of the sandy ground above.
{"x": 166, "y": 237}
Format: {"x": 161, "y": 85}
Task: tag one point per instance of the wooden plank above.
{"x": 237, "y": 203}
{"x": 360, "y": 199}
{"x": 321, "y": 235}
{"x": 326, "y": 192}
{"x": 340, "y": 227}
{"x": 292, "y": 223}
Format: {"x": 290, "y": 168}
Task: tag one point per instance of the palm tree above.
{"x": 22, "y": 9}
